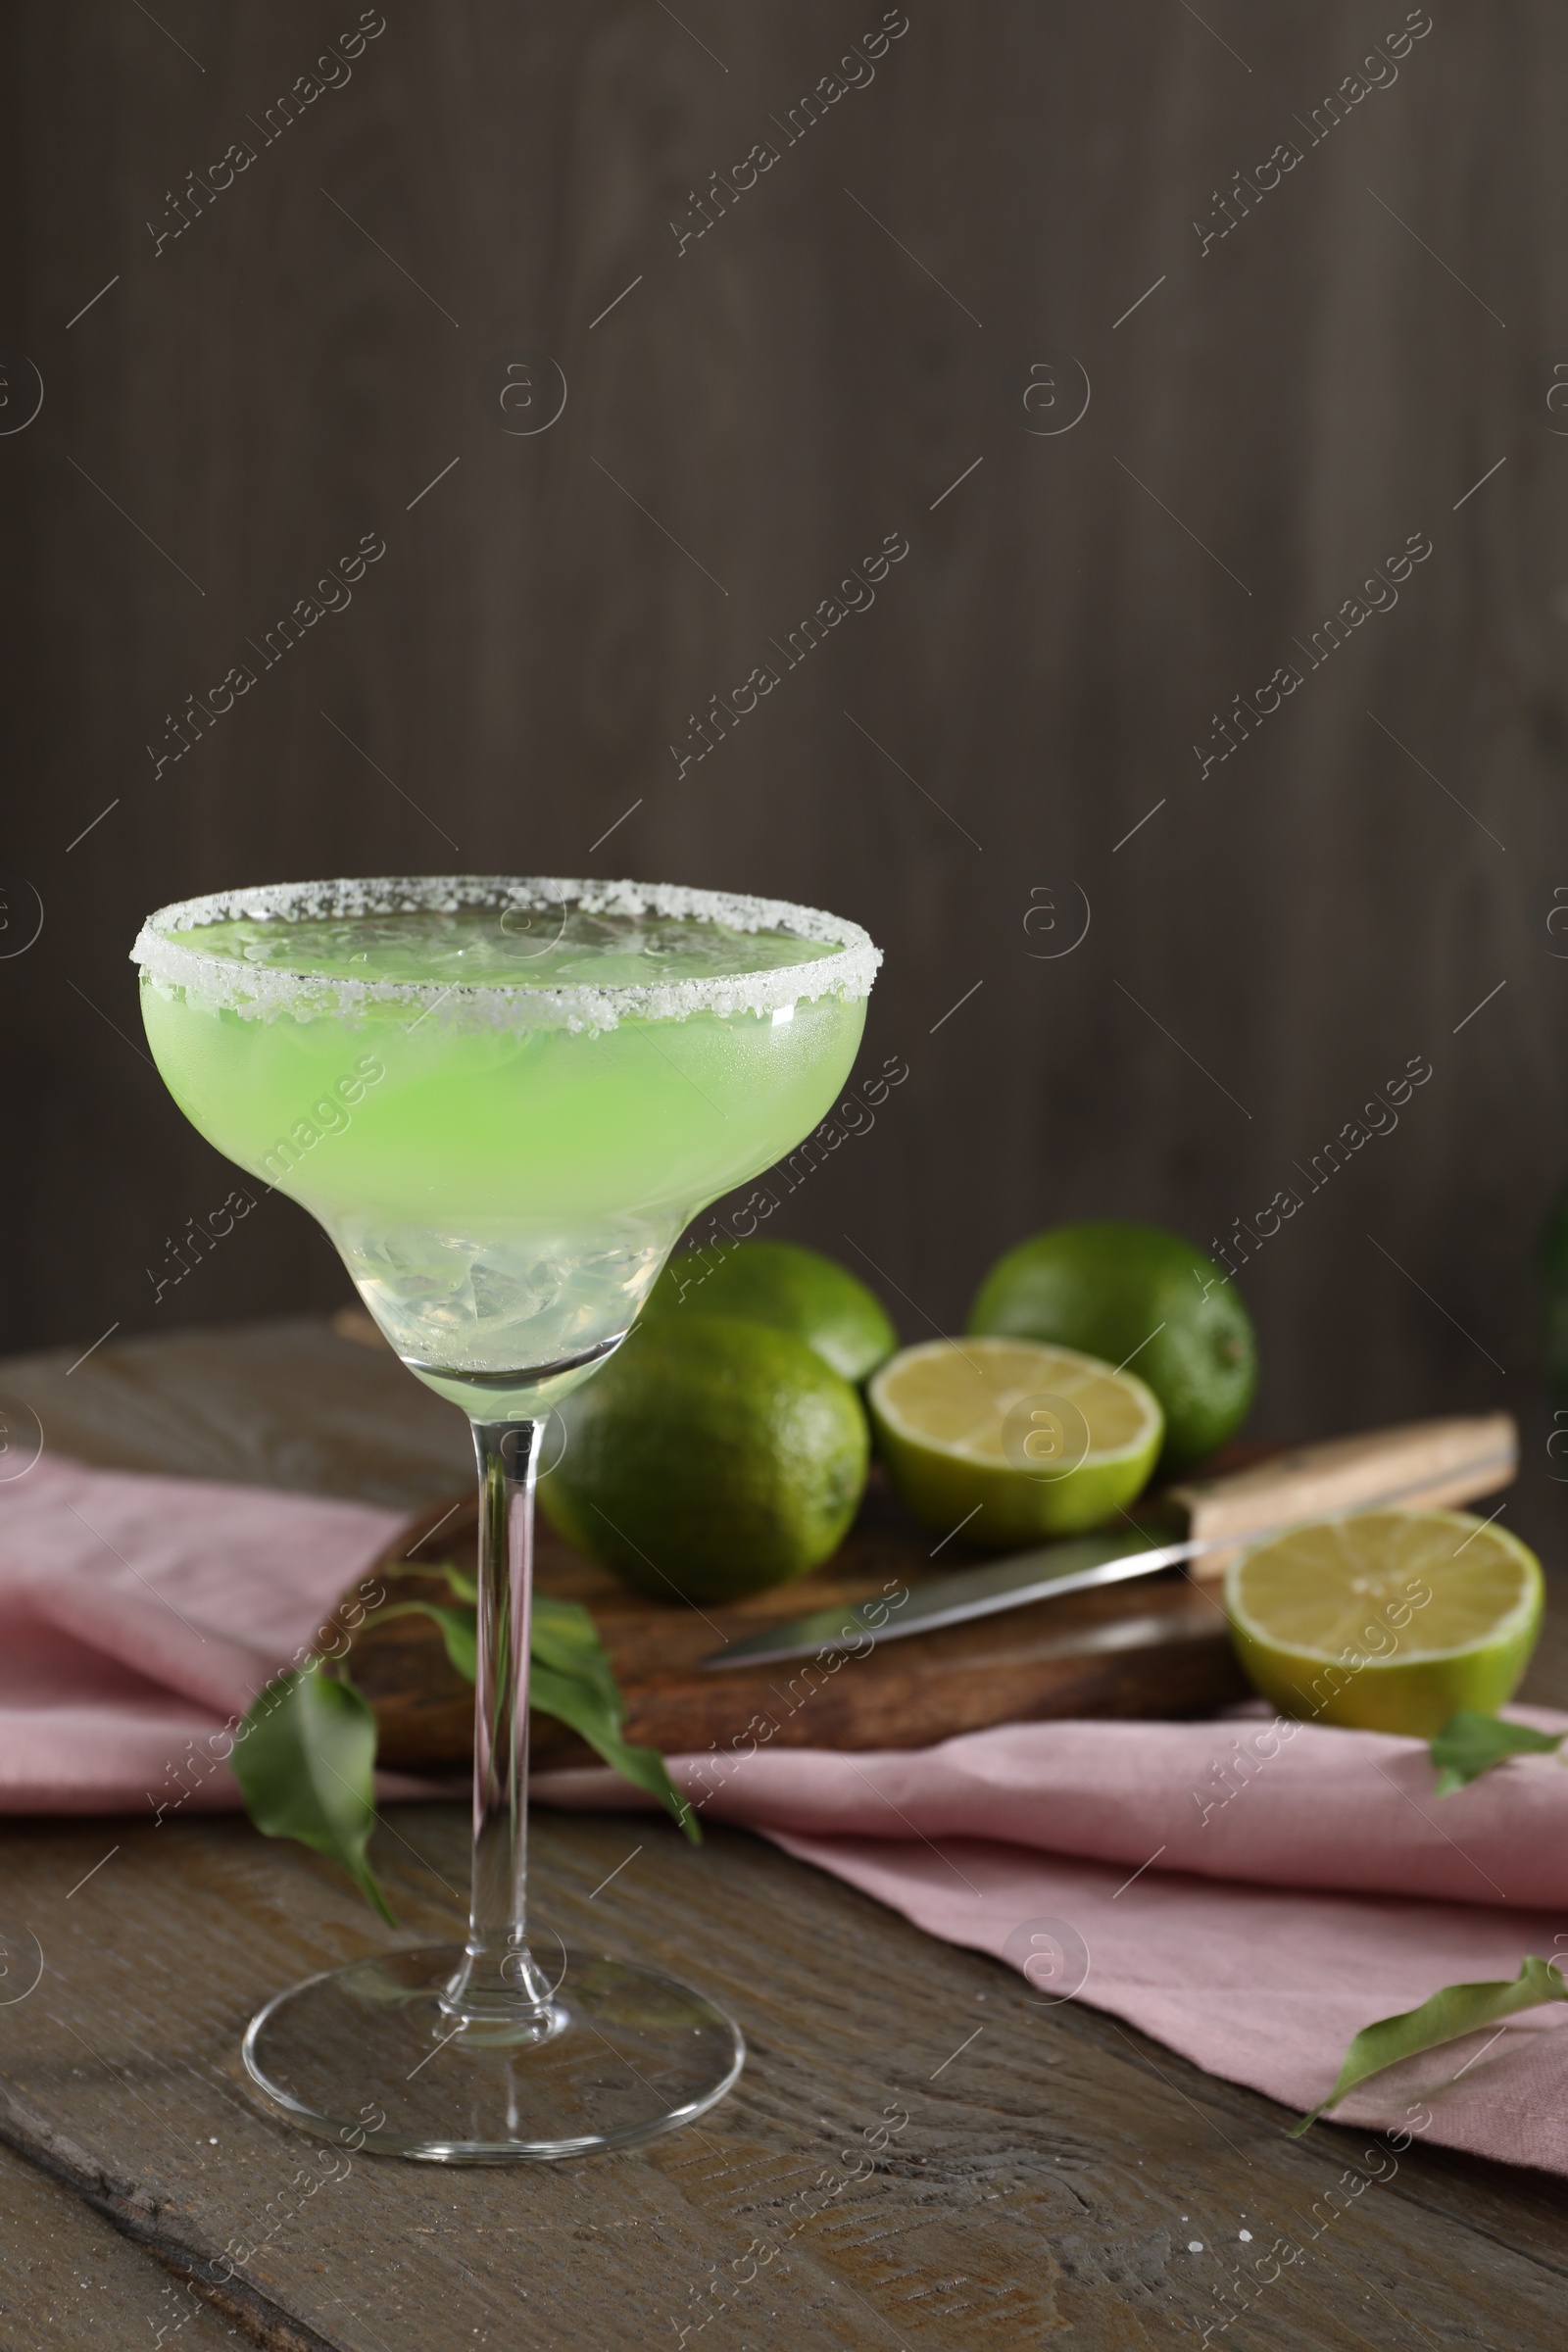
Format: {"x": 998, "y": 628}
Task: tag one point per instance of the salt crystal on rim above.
{"x": 220, "y": 984}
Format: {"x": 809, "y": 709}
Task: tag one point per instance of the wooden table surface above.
{"x": 137, "y": 2154}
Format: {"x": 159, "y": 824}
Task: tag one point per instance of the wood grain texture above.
{"x": 69, "y": 2282}
{"x": 283, "y": 1405}
{"x": 1284, "y": 409}
{"x": 1104, "y": 2156}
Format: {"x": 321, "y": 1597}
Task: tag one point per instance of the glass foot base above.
{"x": 367, "y": 2057}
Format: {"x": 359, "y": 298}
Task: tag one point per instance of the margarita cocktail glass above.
{"x": 503, "y": 1099}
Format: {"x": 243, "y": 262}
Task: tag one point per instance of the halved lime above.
{"x": 1011, "y": 1439}
{"x": 1388, "y": 1621}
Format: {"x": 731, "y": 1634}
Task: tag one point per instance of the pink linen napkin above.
{"x": 1249, "y": 1895}
{"x": 138, "y": 1619}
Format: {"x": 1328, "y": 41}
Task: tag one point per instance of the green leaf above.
{"x": 566, "y": 1639}
{"x": 304, "y": 1756}
{"x": 1457, "y": 2009}
{"x": 305, "y": 1760}
{"x": 458, "y": 1630}
{"x": 569, "y": 1677}
{"x": 458, "y": 1580}
{"x": 1470, "y": 1743}
{"x": 577, "y": 1703}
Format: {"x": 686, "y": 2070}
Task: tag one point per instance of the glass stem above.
{"x": 500, "y": 1980}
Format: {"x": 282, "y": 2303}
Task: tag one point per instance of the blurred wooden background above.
{"x": 1011, "y": 195}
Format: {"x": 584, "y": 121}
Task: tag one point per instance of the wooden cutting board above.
{"x": 1154, "y": 1646}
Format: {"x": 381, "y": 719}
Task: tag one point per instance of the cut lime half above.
{"x": 1388, "y": 1621}
{"x": 1011, "y": 1440}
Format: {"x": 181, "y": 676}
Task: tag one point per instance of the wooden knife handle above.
{"x": 1426, "y": 1464}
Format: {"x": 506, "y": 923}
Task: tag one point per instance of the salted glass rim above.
{"x": 170, "y": 961}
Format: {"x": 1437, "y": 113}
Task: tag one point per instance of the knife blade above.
{"x": 1079, "y": 1563}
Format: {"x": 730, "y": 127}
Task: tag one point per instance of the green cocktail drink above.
{"x": 503, "y": 1100}
{"x": 503, "y": 1114}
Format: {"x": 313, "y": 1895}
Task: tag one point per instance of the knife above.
{"x": 1426, "y": 1463}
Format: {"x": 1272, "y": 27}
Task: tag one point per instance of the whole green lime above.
{"x": 1142, "y": 1298}
{"x": 792, "y": 1288}
{"x": 710, "y": 1458}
